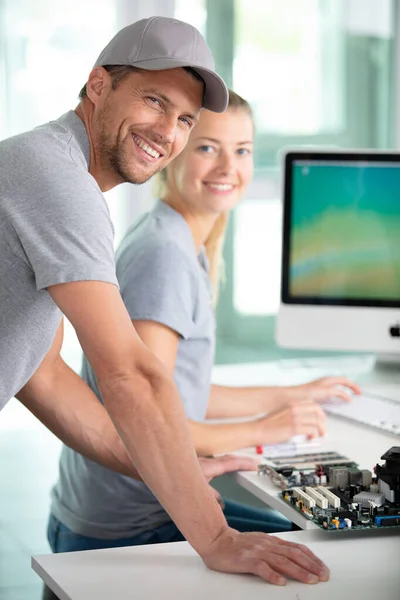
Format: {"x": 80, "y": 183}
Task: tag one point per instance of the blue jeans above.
{"x": 239, "y": 516}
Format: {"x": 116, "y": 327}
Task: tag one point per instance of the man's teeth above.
{"x": 223, "y": 187}
{"x": 148, "y": 149}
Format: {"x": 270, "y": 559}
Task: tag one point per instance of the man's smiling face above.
{"x": 145, "y": 122}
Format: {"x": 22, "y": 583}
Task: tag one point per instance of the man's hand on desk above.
{"x": 267, "y": 556}
{"x": 321, "y": 390}
{"x": 213, "y": 467}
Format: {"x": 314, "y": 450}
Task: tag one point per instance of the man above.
{"x": 141, "y": 101}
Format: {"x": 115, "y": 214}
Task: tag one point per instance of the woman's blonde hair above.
{"x": 215, "y": 242}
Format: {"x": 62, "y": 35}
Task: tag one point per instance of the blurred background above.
{"x": 316, "y": 72}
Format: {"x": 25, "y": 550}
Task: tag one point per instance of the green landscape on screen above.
{"x": 345, "y": 224}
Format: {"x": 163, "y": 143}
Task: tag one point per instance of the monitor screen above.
{"x": 342, "y": 229}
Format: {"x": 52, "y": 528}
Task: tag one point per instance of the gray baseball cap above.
{"x": 160, "y": 43}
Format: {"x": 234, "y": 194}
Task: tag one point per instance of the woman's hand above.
{"x": 321, "y": 390}
{"x": 301, "y": 418}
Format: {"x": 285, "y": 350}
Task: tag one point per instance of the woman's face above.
{"x": 213, "y": 171}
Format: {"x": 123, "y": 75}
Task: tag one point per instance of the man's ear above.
{"x": 98, "y": 84}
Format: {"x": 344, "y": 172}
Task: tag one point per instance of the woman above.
{"x": 168, "y": 267}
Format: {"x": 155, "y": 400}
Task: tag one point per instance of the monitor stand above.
{"x": 386, "y": 359}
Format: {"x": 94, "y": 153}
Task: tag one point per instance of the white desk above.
{"x": 362, "y": 566}
{"x": 360, "y": 443}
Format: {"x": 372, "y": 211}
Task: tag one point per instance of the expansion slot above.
{"x": 320, "y": 500}
{"x": 305, "y": 498}
{"x": 332, "y": 499}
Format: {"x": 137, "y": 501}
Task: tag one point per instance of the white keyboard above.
{"x": 374, "y": 411}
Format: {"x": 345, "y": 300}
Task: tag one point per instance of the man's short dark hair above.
{"x": 119, "y": 72}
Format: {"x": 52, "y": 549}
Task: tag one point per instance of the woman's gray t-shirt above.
{"x": 161, "y": 279}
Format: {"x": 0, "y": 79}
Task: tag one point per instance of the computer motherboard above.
{"x": 330, "y": 490}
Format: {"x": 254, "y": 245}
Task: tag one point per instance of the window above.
{"x": 40, "y": 42}
{"x": 317, "y": 72}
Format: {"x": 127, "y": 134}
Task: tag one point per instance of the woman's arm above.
{"x": 231, "y": 402}
{"x": 304, "y": 418}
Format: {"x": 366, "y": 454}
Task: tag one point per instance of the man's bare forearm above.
{"x": 66, "y": 405}
{"x": 149, "y": 416}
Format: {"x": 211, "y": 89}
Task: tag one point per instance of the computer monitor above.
{"x": 340, "y": 287}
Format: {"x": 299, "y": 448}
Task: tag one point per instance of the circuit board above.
{"x": 335, "y": 494}
{"x": 338, "y": 512}
{"x": 303, "y": 469}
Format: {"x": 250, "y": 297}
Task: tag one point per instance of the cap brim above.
{"x": 216, "y": 93}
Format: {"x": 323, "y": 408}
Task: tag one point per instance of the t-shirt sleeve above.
{"x": 63, "y": 225}
{"x": 159, "y": 284}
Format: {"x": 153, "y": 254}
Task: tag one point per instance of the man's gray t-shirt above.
{"x": 55, "y": 228}
{"x": 162, "y": 279}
